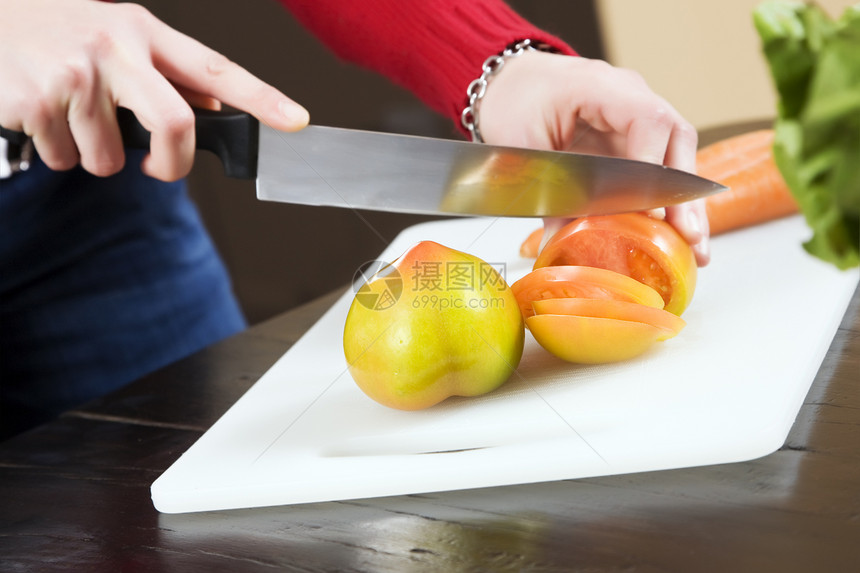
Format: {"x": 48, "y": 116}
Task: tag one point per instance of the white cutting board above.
{"x": 726, "y": 389}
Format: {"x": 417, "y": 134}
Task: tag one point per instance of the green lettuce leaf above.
{"x": 815, "y": 65}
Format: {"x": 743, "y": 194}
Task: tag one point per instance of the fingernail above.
{"x": 703, "y": 252}
{"x": 658, "y": 213}
{"x": 295, "y": 113}
{"x": 694, "y": 226}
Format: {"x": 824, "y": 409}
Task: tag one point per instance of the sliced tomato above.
{"x": 591, "y": 340}
{"x": 633, "y": 244}
{"x": 529, "y": 248}
{"x": 581, "y": 282}
{"x": 670, "y": 323}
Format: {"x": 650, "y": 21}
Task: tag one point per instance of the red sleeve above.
{"x": 434, "y": 48}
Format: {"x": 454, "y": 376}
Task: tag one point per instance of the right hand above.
{"x": 551, "y": 101}
{"x": 65, "y": 66}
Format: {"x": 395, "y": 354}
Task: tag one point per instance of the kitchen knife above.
{"x": 356, "y": 169}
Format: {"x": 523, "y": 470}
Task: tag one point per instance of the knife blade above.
{"x": 356, "y": 169}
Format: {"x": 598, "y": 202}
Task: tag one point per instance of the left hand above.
{"x": 550, "y": 101}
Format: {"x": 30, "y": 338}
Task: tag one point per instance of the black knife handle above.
{"x": 231, "y": 135}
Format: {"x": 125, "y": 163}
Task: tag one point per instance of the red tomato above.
{"x": 615, "y": 309}
{"x": 590, "y": 340}
{"x": 633, "y": 244}
{"x": 583, "y": 282}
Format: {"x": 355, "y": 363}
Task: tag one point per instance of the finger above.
{"x": 43, "y": 118}
{"x": 658, "y": 213}
{"x": 93, "y": 124}
{"x": 681, "y": 150}
{"x": 648, "y": 137}
{"x": 53, "y": 140}
{"x": 622, "y": 103}
{"x": 198, "y": 100}
{"x": 702, "y": 248}
{"x": 691, "y": 221}
{"x": 206, "y": 71}
{"x": 685, "y": 219}
{"x": 163, "y": 112}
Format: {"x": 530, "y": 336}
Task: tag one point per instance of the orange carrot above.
{"x": 757, "y": 192}
{"x": 714, "y": 158}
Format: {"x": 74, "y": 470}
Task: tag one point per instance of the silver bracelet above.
{"x": 492, "y": 66}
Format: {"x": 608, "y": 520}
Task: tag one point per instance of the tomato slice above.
{"x": 633, "y": 244}
{"x": 591, "y": 340}
{"x": 617, "y": 309}
{"x": 530, "y": 247}
{"x": 582, "y": 282}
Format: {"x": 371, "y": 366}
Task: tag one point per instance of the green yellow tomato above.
{"x": 435, "y": 323}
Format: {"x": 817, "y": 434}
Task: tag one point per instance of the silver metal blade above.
{"x": 400, "y": 173}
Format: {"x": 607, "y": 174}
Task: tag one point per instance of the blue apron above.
{"x": 102, "y": 280}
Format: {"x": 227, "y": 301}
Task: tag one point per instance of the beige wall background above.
{"x": 704, "y": 57}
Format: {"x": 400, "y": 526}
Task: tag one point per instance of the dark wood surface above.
{"x": 75, "y": 493}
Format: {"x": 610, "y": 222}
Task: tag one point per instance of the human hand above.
{"x": 550, "y": 101}
{"x": 65, "y": 66}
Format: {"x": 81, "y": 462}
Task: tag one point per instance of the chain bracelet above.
{"x": 478, "y": 88}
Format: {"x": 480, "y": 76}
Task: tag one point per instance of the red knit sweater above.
{"x": 434, "y": 48}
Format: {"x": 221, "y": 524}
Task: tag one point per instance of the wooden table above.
{"x": 75, "y": 493}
